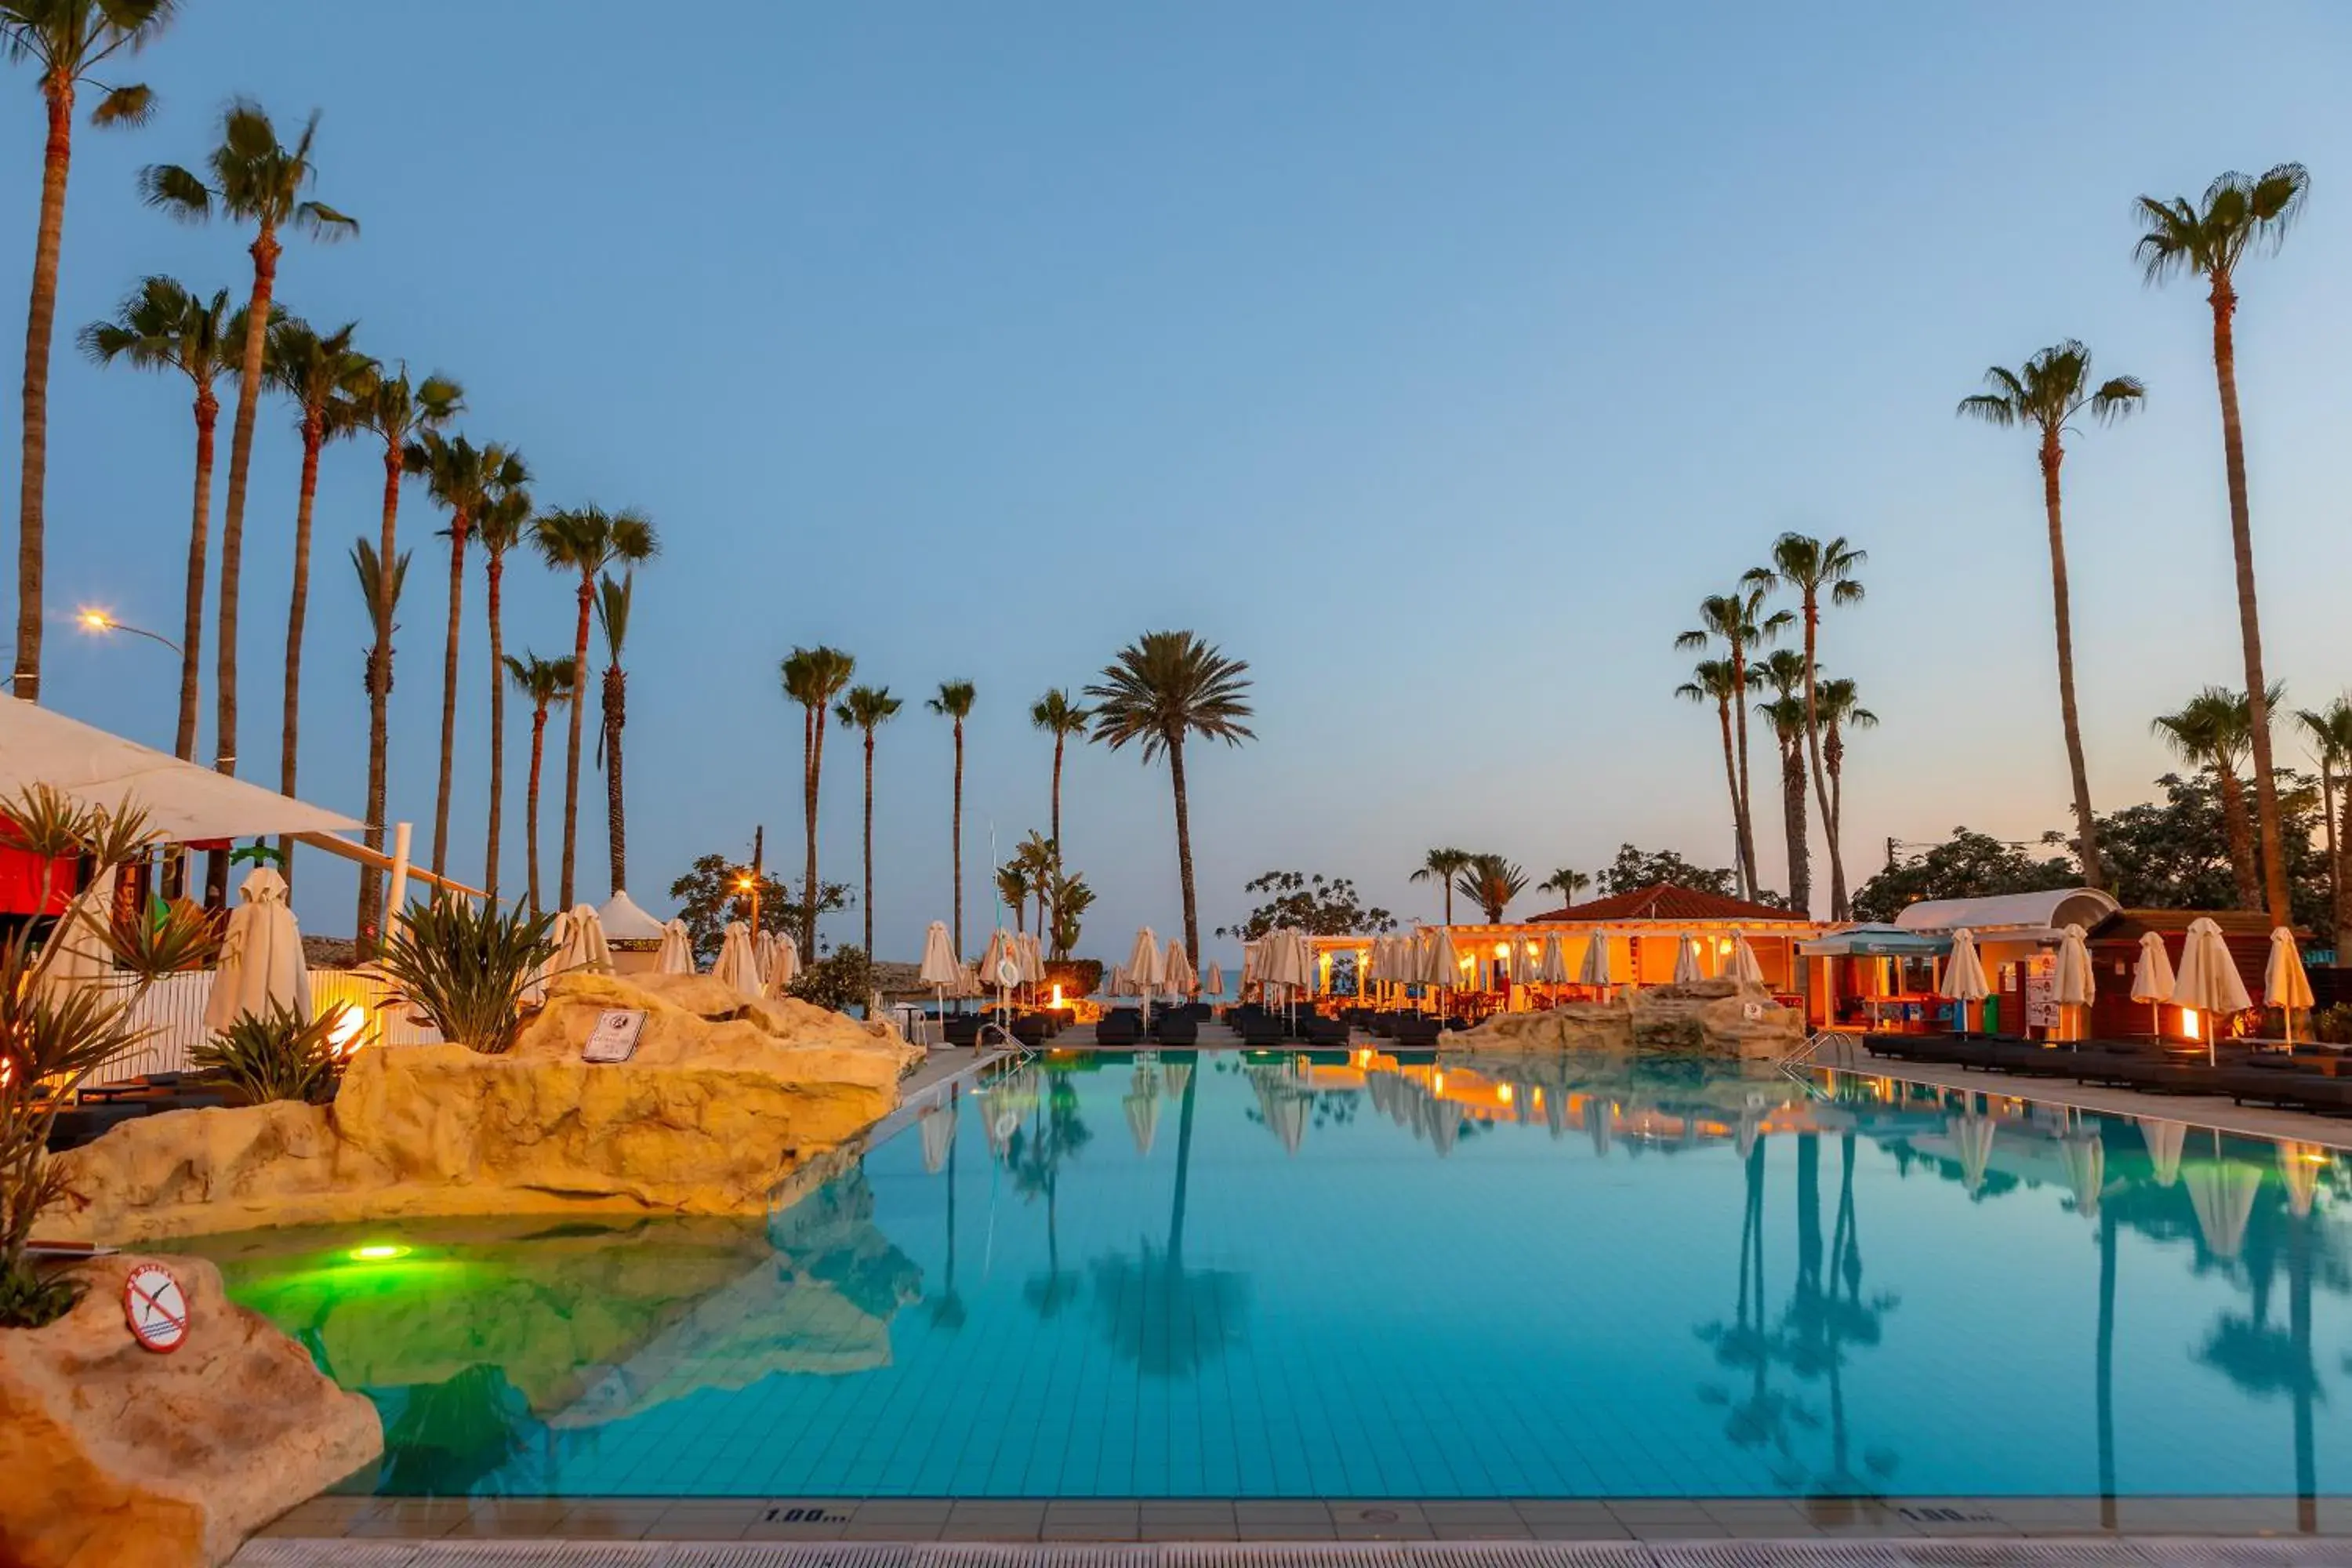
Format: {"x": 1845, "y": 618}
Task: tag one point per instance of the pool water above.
{"x": 1241, "y": 1275}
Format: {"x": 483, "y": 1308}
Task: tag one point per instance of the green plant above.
{"x": 2332, "y": 1024}
{"x": 279, "y": 1055}
{"x": 843, "y": 979}
{"x": 466, "y": 969}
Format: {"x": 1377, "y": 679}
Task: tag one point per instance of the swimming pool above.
{"x": 1348, "y": 1275}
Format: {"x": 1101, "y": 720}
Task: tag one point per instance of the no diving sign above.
{"x": 155, "y": 1308}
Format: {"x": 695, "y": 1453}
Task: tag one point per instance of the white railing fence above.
{"x": 172, "y": 1016}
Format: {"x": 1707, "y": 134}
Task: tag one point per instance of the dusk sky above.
{"x": 1435, "y": 360}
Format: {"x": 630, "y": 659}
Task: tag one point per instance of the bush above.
{"x": 2333, "y": 1024}
{"x": 466, "y": 969}
{"x": 840, "y": 981}
{"x": 277, "y": 1055}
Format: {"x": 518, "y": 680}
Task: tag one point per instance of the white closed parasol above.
{"x": 784, "y": 966}
{"x": 1688, "y": 970}
{"x": 1216, "y": 984}
{"x": 675, "y": 955}
{"x": 1178, "y": 981}
{"x": 1145, "y": 963}
{"x": 2074, "y": 985}
{"x": 1963, "y": 980}
{"x": 2285, "y": 984}
{"x": 736, "y": 967}
{"x": 939, "y": 969}
{"x": 1742, "y": 965}
{"x": 2209, "y": 981}
{"x": 81, "y": 953}
{"x": 1594, "y": 970}
{"x": 261, "y": 969}
{"x": 2152, "y": 981}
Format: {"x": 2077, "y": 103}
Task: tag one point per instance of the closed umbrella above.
{"x": 2299, "y": 1166}
{"x": 2074, "y": 985}
{"x": 736, "y": 967}
{"x": 2084, "y": 1155}
{"x": 939, "y": 1126}
{"x": 2164, "y": 1139}
{"x": 1963, "y": 980}
{"x": 1687, "y": 962}
{"x": 1033, "y": 960}
{"x": 2222, "y": 1196}
{"x": 580, "y": 949}
{"x": 79, "y": 936}
{"x": 1973, "y": 1135}
{"x": 1554, "y": 971}
{"x": 1216, "y": 987}
{"x": 261, "y": 969}
{"x": 1283, "y": 962}
{"x": 675, "y": 955}
{"x": 1595, "y": 971}
{"x": 1742, "y": 965}
{"x": 1178, "y": 981}
{"x": 1444, "y": 969}
{"x": 939, "y": 969}
{"x": 784, "y": 967}
{"x": 1146, "y": 965}
{"x": 2152, "y": 981}
{"x": 2285, "y": 984}
{"x": 2209, "y": 981}
{"x": 1143, "y": 1107}
{"x": 763, "y": 952}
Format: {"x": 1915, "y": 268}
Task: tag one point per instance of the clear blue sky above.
{"x": 1435, "y": 361}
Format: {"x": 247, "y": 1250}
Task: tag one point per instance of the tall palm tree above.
{"x": 1491, "y": 882}
{"x": 2045, "y": 396}
{"x": 1442, "y": 866}
{"x": 459, "y": 476}
{"x": 2329, "y": 731}
{"x": 1159, "y": 690}
{"x": 867, "y": 709}
{"x": 1040, "y": 861}
{"x": 546, "y": 681}
{"x": 1568, "y": 884}
{"x": 1738, "y": 620}
{"x": 612, "y": 601}
{"x": 1784, "y": 672}
{"x": 1069, "y": 899}
{"x": 2214, "y": 729}
{"x": 1816, "y": 569}
{"x": 589, "y": 541}
{"x": 954, "y": 703}
{"x": 1061, "y": 717}
{"x": 319, "y": 376}
{"x": 64, "y": 41}
{"x": 395, "y": 411}
{"x": 813, "y": 677}
{"x": 257, "y": 180}
{"x": 1841, "y": 710}
{"x": 1712, "y": 680}
{"x": 2208, "y": 239}
{"x": 382, "y": 578}
{"x": 502, "y": 526}
{"x": 1012, "y": 887}
{"x": 162, "y": 326}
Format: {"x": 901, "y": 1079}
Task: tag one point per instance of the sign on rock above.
{"x": 614, "y": 1037}
{"x": 155, "y": 1308}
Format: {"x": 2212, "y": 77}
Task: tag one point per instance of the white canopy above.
{"x": 623, "y": 921}
{"x": 2045, "y": 911}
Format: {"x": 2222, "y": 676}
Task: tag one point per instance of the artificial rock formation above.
{"x": 723, "y": 1099}
{"x": 1707, "y": 1017}
{"x": 113, "y": 1455}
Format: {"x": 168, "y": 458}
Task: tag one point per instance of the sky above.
{"x": 1437, "y": 362}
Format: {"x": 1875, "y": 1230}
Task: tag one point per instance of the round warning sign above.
{"x": 155, "y": 1308}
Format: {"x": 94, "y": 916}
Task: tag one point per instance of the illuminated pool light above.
{"x": 378, "y": 1252}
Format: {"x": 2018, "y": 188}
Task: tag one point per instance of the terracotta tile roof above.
{"x": 1666, "y": 901}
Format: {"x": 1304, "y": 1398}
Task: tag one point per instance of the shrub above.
{"x": 279, "y": 1055}
{"x": 466, "y": 969}
{"x": 843, "y": 979}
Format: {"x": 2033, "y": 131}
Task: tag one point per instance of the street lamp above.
{"x": 99, "y": 621}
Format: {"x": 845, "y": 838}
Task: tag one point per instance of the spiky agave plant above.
{"x": 466, "y": 969}
{"x": 278, "y": 1055}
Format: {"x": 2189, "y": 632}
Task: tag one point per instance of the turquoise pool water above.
{"x": 1256, "y": 1275}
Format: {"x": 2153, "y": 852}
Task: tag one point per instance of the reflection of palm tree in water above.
{"x": 2262, "y": 1359}
{"x": 1157, "y": 1313}
{"x": 1055, "y": 1133}
{"x": 948, "y": 1311}
{"x": 1762, "y": 1419}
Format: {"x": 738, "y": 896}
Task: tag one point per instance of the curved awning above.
{"x": 2050, "y": 911}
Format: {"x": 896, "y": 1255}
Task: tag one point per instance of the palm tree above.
{"x": 813, "y": 677}
{"x": 1442, "y": 866}
{"x": 612, "y": 601}
{"x": 1568, "y": 884}
{"x": 1040, "y": 861}
{"x": 396, "y": 411}
{"x": 2329, "y": 731}
{"x": 1841, "y": 710}
{"x": 1013, "y": 887}
{"x": 382, "y": 578}
{"x": 64, "y": 40}
{"x": 2179, "y": 237}
{"x": 1816, "y": 568}
{"x": 866, "y": 709}
{"x": 162, "y": 326}
{"x": 954, "y": 702}
{"x": 1159, "y": 690}
{"x": 546, "y": 681}
{"x": 1784, "y": 672}
{"x": 2045, "y": 396}
{"x": 587, "y": 539}
{"x": 1712, "y": 680}
{"x": 459, "y": 476}
{"x": 320, "y": 376}
{"x": 260, "y": 181}
{"x": 1738, "y": 619}
{"x": 1491, "y": 882}
{"x": 1059, "y": 717}
{"x": 504, "y": 524}
{"x": 2214, "y": 729}
{"x": 1070, "y": 899}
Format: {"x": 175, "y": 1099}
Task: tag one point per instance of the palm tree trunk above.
{"x": 616, "y": 811}
{"x": 2239, "y": 833}
{"x": 191, "y": 612}
{"x": 571, "y": 750}
{"x": 2342, "y": 881}
{"x": 1792, "y": 818}
{"x": 2224, "y": 301}
{"x": 1731, "y": 780}
{"x": 40, "y": 322}
{"x": 459, "y": 529}
{"x": 1183, "y": 1175}
{"x": 290, "y": 725}
{"x": 1814, "y": 758}
{"x": 1743, "y": 802}
{"x": 2334, "y": 864}
{"x": 814, "y": 759}
{"x": 2104, "y": 1376}
{"x": 232, "y": 540}
{"x": 1185, "y": 842}
{"x": 530, "y": 801}
{"x": 2086, "y": 825}
{"x": 378, "y": 681}
{"x": 869, "y": 844}
{"x": 955, "y": 837}
{"x": 1059, "y": 740}
{"x": 494, "y": 570}
{"x": 1833, "y": 757}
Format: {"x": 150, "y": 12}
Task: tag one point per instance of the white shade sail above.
{"x": 261, "y": 968}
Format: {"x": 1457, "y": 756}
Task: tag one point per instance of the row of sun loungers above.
{"x": 2316, "y": 1082}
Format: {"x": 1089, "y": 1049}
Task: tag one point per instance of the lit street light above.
{"x": 99, "y": 621}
